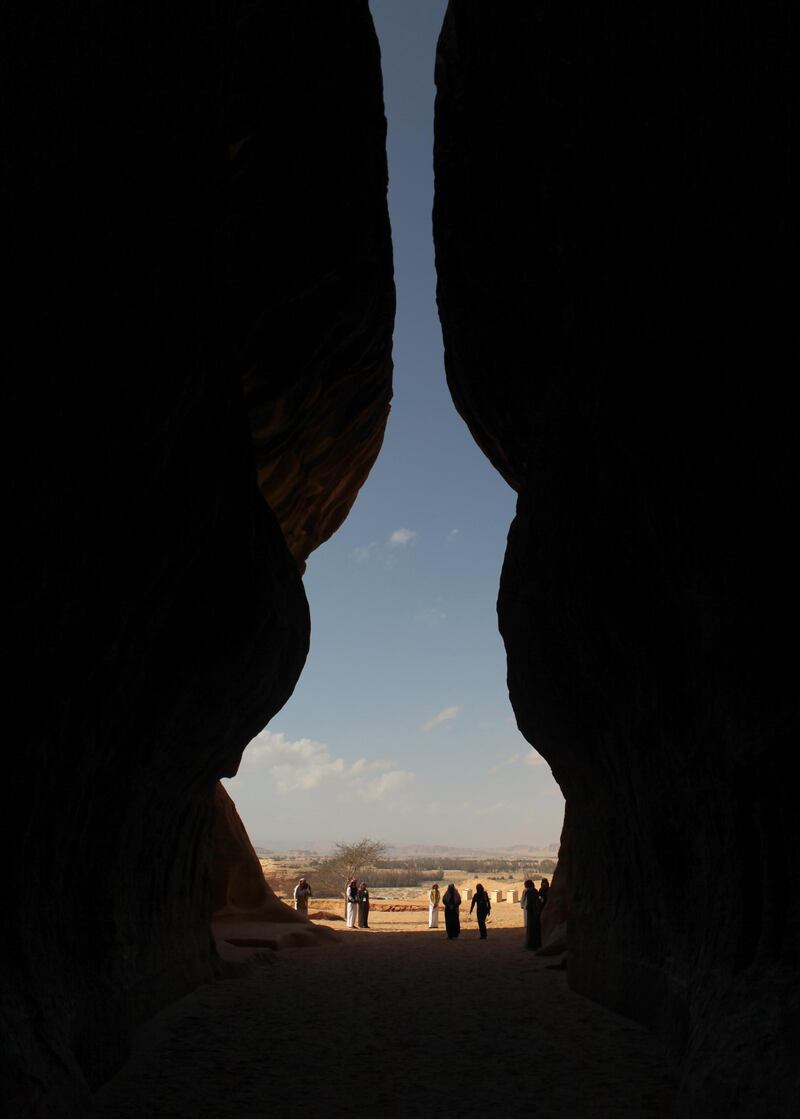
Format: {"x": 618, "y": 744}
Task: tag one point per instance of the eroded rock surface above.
{"x": 615, "y": 234}
{"x": 305, "y": 260}
{"x": 159, "y": 619}
{"x": 247, "y": 915}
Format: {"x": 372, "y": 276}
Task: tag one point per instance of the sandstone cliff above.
{"x": 199, "y": 220}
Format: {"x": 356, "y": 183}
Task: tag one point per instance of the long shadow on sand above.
{"x": 399, "y": 1024}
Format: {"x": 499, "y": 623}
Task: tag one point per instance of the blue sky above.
{"x": 400, "y": 727}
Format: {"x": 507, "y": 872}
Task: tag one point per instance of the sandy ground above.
{"x": 389, "y": 1022}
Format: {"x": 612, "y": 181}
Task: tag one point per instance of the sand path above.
{"x": 392, "y": 1024}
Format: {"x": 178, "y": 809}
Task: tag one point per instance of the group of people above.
{"x": 357, "y": 901}
{"x": 357, "y": 897}
{"x": 451, "y": 903}
{"x": 532, "y": 903}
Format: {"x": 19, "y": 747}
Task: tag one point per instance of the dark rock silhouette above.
{"x": 616, "y": 244}
{"x": 304, "y": 262}
{"x": 198, "y": 219}
{"x": 557, "y": 911}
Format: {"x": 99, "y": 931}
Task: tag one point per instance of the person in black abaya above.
{"x": 532, "y": 907}
{"x": 482, "y": 906}
{"x": 363, "y": 906}
{"x": 451, "y": 902}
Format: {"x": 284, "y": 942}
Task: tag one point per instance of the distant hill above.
{"x": 437, "y": 851}
{"x": 441, "y": 851}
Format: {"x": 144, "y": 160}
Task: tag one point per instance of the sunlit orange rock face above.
{"x": 614, "y": 223}
{"x": 247, "y": 915}
{"x": 202, "y": 301}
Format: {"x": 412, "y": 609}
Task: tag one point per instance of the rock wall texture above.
{"x": 247, "y": 916}
{"x": 615, "y": 230}
{"x": 198, "y": 218}
{"x": 305, "y": 255}
{"x": 238, "y": 882}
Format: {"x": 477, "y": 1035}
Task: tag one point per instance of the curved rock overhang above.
{"x": 615, "y": 231}
{"x": 305, "y": 257}
{"x": 161, "y": 263}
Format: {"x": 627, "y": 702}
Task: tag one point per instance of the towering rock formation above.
{"x": 203, "y": 305}
{"x": 615, "y": 229}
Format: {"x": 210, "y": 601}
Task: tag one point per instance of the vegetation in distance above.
{"x": 367, "y": 859}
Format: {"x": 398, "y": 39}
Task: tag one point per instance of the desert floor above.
{"x": 393, "y": 1021}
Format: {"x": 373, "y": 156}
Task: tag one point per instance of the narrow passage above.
{"x": 393, "y": 1024}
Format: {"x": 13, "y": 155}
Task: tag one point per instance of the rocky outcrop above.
{"x": 614, "y": 241}
{"x": 239, "y": 884}
{"x": 303, "y": 274}
{"x": 247, "y": 915}
{"x": 159, "y": 620}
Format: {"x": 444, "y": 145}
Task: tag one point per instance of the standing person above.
{"x": 363, "y": 906}
{"x": 351, "y": 893}
{"x": 433, "y": 907}
{"x": 483, "y": 906}
{"x": 544, "y": 889}
{"x": 532, "y": 907}
{"x": 451, "y": 902}
{"x": 302, "y": 892}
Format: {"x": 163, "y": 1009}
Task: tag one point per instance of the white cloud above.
{"x": 302, "y": 764}
{"x": 364, "y": 766}
{"x": 444, "y": 716}
{"x": 364, "y": 554}
{"x": 400, "y": 536}
{"x": 530, "y": 758}
{"x": 452, "y": 536}
{"x": 395, "y": 781}
{"x": 299, "y": 764}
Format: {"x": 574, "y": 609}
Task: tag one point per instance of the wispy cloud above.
{"x": 364, "y": 766}
{"x": 529, "y": 758}
{"x": 430, "y": 618}
{"x": 363, "y": 554}
{"x": 452, "y": 536}
{"x": 400, "y": 537}
{"x": 387, "y": 784}
{"x": 302, "y": 764}
{"x": 299, "y": 764}
{"x": 444, "y": 716}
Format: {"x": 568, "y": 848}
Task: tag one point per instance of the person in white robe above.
{"x": 433, "y": 907}
{"x": 352, "y": 903}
